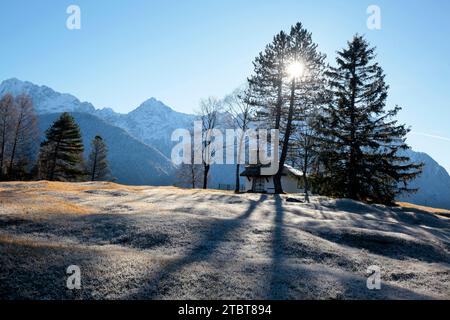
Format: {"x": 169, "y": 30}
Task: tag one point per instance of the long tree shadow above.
{"x": 217, "y": 233}
{"x": 277, "y": 290}
{"x": 284, "y": 278}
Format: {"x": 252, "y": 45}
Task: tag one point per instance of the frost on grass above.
{"x": 168, "y": 243}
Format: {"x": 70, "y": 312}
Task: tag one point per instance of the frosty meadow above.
{"x": 200, "y": 151}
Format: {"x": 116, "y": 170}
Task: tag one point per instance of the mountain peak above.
{"x": 152, "y": 105}
{"x": 14, "y": 84}
{"x": 47, "y": 100}
{"x": 11, "y": 81}
{"x": 17, "y": 84}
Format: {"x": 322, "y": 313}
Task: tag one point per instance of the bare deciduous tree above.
{"x": 24, "y": 136}
{"x": 208, "y": 113}
{"x": 241, "y": 109}
{"x": 190, "y": 174}
{"x": 18, "y": 135}
{"x": 6, "y": 116}
{"x": 304, "y": 145}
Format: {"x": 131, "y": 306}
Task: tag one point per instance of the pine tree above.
{"x": 61, "y": 154}
{"x": 98, "y": 168}
{"x": 266, "y": 84}
{"x": 280, "y": 100}
{"x": 267, "y": 81}
{"x": 362, "y": 143}
{"x": 304, "y": 95}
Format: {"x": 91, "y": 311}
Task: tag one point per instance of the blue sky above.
{"x": 180, "y": 51}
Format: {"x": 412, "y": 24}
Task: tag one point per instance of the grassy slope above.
{"x": 142, "y": 242}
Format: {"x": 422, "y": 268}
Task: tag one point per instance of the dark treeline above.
{"x": 60, "y": 156}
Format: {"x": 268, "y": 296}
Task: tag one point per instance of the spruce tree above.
{"x": 267, "y": 85}
{"x": 98, "y": 168}
{"x": 362, "y": 143}
{"x": 61, "y": 154}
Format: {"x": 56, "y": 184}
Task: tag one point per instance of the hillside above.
{"x": 168, "y": 243}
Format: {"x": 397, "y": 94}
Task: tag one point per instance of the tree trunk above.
{"x": 16, "y": 138}
{"x": 205, "y": 176}
{"x": 2, "y": 155}
{"x": 51, "y": 174}
{"x": 276, "y": 178}
{"x": 193, "y": 175}
{"x": 94, "y": 167}
{"x": 279, "y": 104}
{"x": 305, "y": 177}
{"x": 287, "y": 136}
{"x": 237, "y": 188}
{"x": 13, "y": 153}
{"x": 352, "y": 163}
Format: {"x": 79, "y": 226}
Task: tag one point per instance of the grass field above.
{"x": 169, "y": 243}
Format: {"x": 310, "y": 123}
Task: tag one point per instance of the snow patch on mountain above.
{"x": 45, "y": 99}
{"x": 153, "y": 123}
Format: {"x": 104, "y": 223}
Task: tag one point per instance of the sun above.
{"x": 295, "y": 69}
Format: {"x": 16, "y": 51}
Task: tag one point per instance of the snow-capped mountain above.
{"x": 131, "y": 160}
{"x": 152, "y": 124}
{"x": 45, "y": 99}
